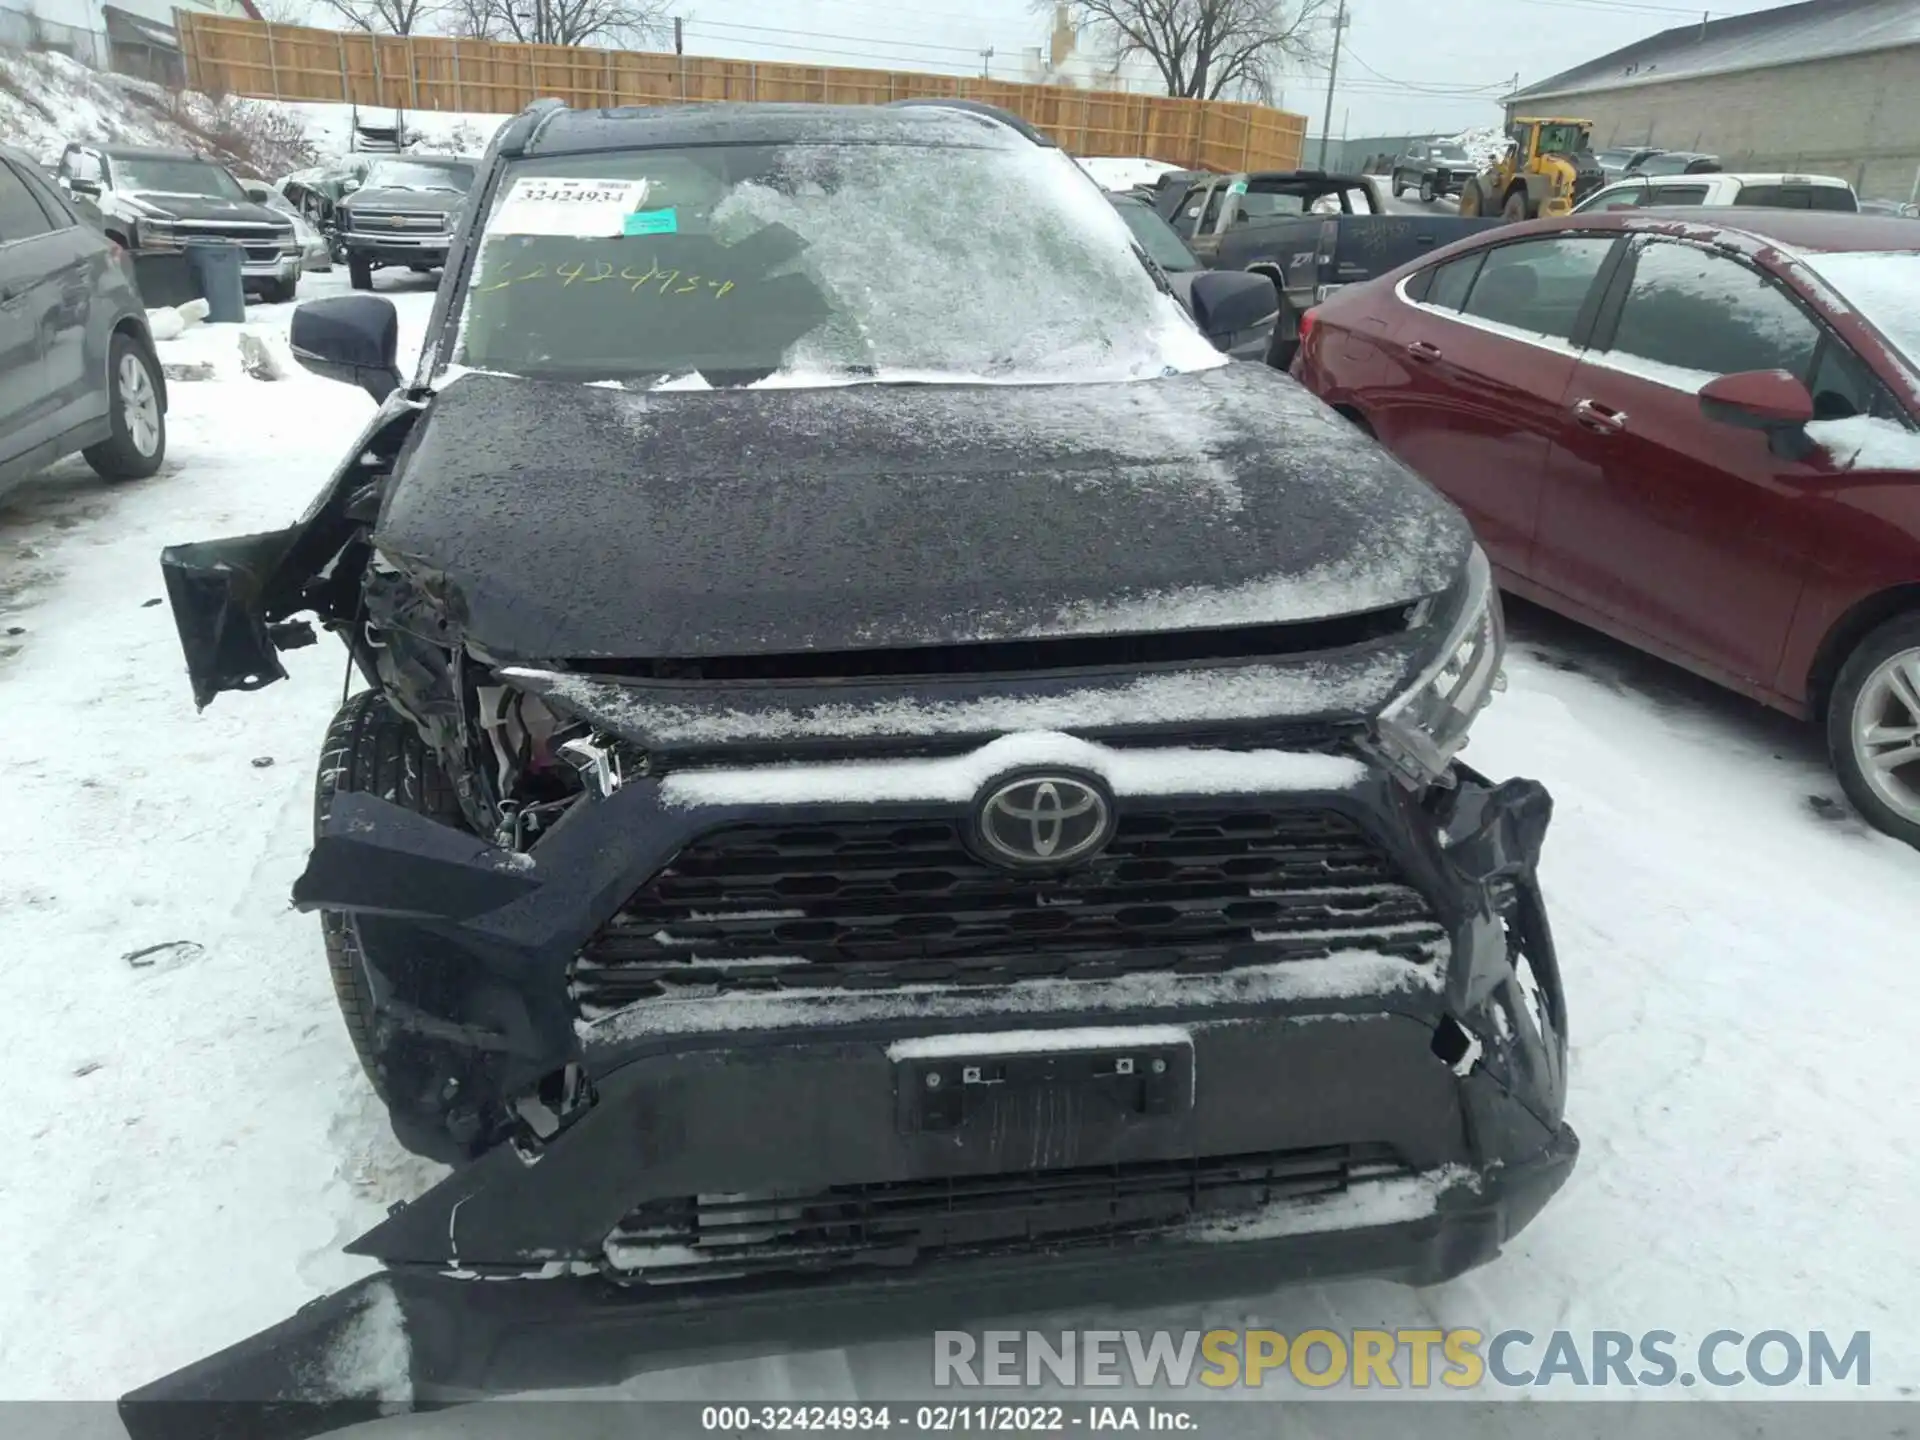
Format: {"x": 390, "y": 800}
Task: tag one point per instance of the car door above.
{"x": 1675, "y": 527}
{"x": 1187, "y": 216}
{"x": 1621, "y": 195}
{"x": 1476, "y": 366}
{"x": 76, "y": 257}
{"x": 26, "y": 296}
{"x": 1219, "y": 209}
{"x": 1669, "y": 192}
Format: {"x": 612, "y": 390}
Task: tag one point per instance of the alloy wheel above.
{"x": 1886, "y": 732}
{"x": 139, "y": 404}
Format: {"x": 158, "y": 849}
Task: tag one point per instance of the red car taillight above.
{"x": 1306, "y": 325}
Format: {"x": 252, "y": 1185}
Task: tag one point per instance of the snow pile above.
{"x": 1394, "y": 1200}
{"x": 959, "y": 777}
{"x": 330, "y": 127}
{"x": 48, "y": 99}
{"x": 1349, "y": 975}
{"x": 1036, "y": 1042}
{"x": 1112, "y": 172}
{"x": 373, "y": 1358}
{"x": 1884, "y": 286}
{"x": 1485, "y": 144}
{"x": 1017, "y": 276}
{"x": 1864, "y": 442}
{"x": 1236, "y": 693}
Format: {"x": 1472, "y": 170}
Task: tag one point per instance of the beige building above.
{"x": 1829, "y": 86}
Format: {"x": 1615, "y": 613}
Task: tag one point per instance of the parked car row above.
{"x": 1652, "y": 160}
{"x": 77, "y": 368}
{"x": 1702, "y": 437}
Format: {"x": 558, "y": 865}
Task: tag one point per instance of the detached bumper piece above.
{"x": 416, "y": 1339}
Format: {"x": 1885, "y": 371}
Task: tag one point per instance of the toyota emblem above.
{"x": 1043, "y": 820}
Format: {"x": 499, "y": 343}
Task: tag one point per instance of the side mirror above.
{"x": 89, "y": 188}
{"x": 350, "y": 338}
{"x": 1757, "y": 400}
{"x": 1228, "y": 302}
{"x": 1772, "y": 401}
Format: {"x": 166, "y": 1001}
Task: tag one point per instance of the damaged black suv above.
{"x": 884, "y": 756}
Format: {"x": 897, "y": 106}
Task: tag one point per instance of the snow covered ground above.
{"x": 191, "y": 1143}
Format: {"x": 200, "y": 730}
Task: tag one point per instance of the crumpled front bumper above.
{"x": 445, "y": 1340}
{"x": 496, "y": 1281}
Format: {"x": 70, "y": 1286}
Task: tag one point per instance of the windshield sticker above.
{"x": 537, "y": 205}
{"x": 1238, "y": 187}
{"x": 652, "y": 222}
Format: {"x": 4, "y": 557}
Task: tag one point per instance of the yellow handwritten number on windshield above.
{"x": 581, "y": 272}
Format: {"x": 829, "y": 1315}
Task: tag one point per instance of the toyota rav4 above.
{"x": 883, "y": 759}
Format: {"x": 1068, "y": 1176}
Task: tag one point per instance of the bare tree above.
{"x": 1208, "y": 49}
{"x": 386, "y": 17}
{"x": 287, "y": 12}
{"x": 560, "y": 22}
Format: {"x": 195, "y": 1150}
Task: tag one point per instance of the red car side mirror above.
{"x": 1757, "y": 400}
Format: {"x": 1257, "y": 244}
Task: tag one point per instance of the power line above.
{"x": 729, "y": 25}
{"x": 1416, "y": 85}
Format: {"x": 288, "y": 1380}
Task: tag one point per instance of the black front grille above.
{"x": 881, "y": 903}
{"x": 409, "y": 222}
{"x": 717, "y": 1239}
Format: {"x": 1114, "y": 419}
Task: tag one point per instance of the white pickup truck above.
{"x": 1770, "y": 191}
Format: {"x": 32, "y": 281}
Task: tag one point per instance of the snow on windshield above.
{"x": 418, "y": 175}
{"x": 821, "y": 264}
{"x": 1883, "y": 287}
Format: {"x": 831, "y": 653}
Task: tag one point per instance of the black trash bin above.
{"x": 164, "y": 279}
{"x": 216, "y": 271}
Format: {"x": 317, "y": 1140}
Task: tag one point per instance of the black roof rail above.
{"x": 518, "y": 132}
{"x": 980, "y": 107}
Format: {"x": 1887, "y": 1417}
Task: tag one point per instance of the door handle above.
{"x": 1421, "y": 350}
{"x": 1598, "y": 417}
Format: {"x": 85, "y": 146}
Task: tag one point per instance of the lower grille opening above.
{"x": 876, "y": 904}
{"x": 737, "y": 1239}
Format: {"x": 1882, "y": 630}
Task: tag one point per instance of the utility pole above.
{"x": 986, "y": 63}
{"x": 1333, "y": 72}
{"x": 678, "y": 48}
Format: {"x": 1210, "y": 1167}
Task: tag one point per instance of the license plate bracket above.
{"x": 947, "y": 1083}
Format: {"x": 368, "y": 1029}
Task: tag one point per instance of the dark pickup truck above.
{"x": 1311, "y": 231}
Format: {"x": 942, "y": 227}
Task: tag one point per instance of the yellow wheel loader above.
{"x": 1546, "y": 170}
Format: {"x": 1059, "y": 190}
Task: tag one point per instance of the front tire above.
{"x": 280, "y": 292}
{"x": 138, "y": 444}
{"x": 1873, "y": 728}
{"x": 1515, "y": 210}
{"x": 1397, "y": 187}
{"x": 1426, "y": 192}
{"x": 359, "y": 272}
{"x": 370, "y": 749}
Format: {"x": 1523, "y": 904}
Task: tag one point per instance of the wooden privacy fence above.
{"x": 260, "y": 60}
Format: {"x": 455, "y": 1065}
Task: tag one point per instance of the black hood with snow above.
{"x": 437, "y": 202}
{"x": 572, "y": 521}
{"x": 152, "y": 205}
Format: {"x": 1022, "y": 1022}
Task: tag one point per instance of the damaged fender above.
{"x": 234, "y": 599}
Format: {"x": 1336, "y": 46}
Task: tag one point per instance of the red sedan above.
{"x": 1700, "y": 437}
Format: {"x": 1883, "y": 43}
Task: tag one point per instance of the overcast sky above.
{"x": 1406, "y": 65}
